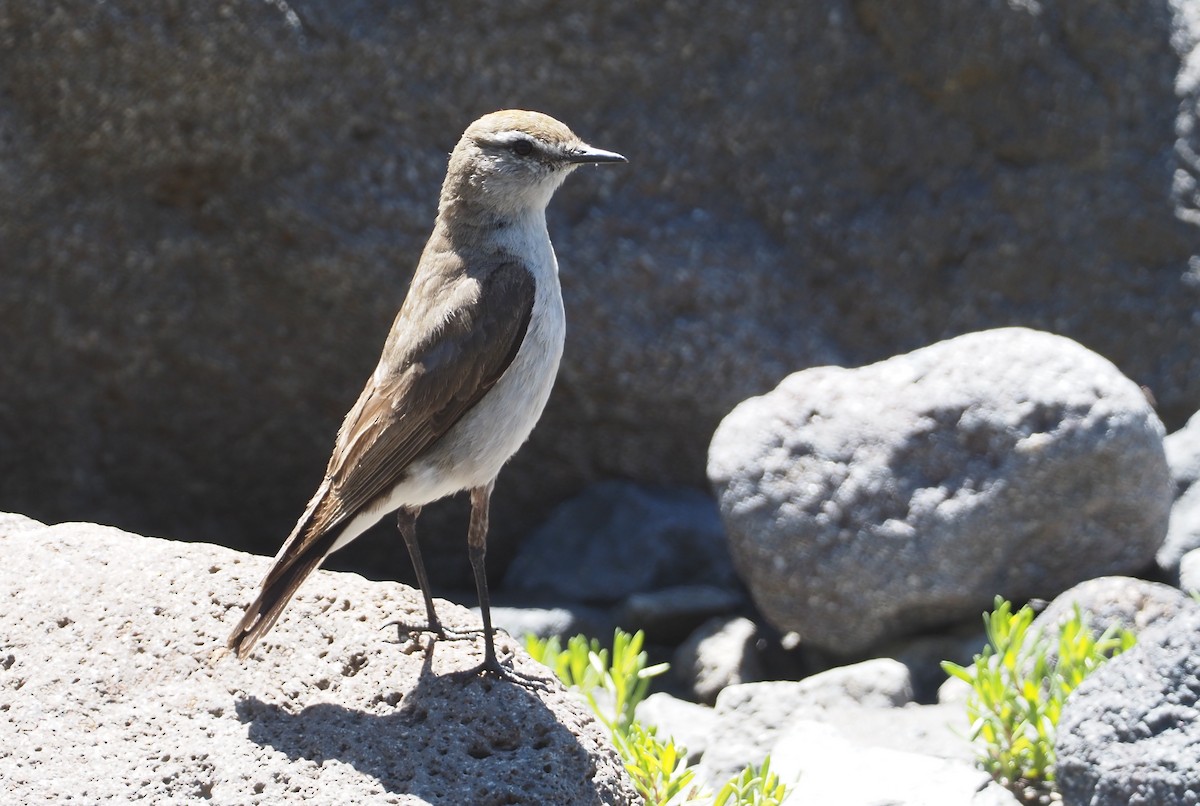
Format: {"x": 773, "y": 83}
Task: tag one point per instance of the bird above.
{"x": 466, "y": 368}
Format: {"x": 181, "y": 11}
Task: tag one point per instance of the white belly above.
{"x": 472, "y": 452}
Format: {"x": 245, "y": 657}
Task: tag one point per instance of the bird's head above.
{"x": 512, "y": 161}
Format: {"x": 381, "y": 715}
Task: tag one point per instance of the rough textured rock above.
{"x": 867, "y": 503}
{"x": 209, "y": 213}
{"x": 1130, "y": 734}
{"x": 721, "y": 653}
{"x": 750, "y": 717}
{"x": 617, "y": 539}
{"x": 112, "y": 687}
{"x": 1135, "y": 604}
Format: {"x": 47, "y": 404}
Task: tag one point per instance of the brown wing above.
{"x": 427, "y": 378}
{"x": 425, "y": 389}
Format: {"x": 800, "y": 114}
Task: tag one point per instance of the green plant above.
{"x": 1018, "y": 688}
{"x": 755, "y": 786}
{"x": 623, "y": 675}
{"x": 614, "y": 683}
{"x": 658, "y": 769}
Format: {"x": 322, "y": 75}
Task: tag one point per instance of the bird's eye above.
{"x": 522, "y": 147}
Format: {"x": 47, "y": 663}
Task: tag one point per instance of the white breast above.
{"x": 472, "y": 452}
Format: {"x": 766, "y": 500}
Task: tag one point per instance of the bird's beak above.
{"x": 585, "y": 153}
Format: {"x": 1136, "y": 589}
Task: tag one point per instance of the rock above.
{"x": 869, "y": 503}
{"x": 618, "y": 539}
{"x": 931, "y": 730}
{"x": 752, "y": 716}
{"x": 170, "y": 170}
{"x": 829, "y": 768}
{"x": 721, "y": 653}
{"x": 669, "y": 615}
{"x": 563, "y": 622}
{"x": 113, "y": 687}
{"x": 1183, "y": 454}
{"x": 11, "y": 523}
{"x": 1130, "y": 733}
{"x": 954, "y": 692}
{"x": 1189, "y": 572}
{"x": 688, "y": 723}
{"x": 924, "y": 654}
{"x": 1183, "y": 532}
{"x": 1135, "y": 604}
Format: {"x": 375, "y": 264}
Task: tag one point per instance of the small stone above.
{"x": 669, "y": 615}
{"x": 721, "y": 653}
{"x": 617, "y": 539}
{"x": 688, "y": 723}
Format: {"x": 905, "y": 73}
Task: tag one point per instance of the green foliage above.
{"x": 614, "y": 683}
{"x": 1018, "y": 689}
{"x": 658, "y": 769}
{"x": 755, "y": 786}
{"x": 622, "y": 675}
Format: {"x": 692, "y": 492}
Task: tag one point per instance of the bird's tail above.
{"x": 302, "y": 553}
{"x": 277, "y": 590}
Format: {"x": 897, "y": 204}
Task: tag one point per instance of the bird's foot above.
{"x": 492, "y": 668}
{"x": 408, "y": 634}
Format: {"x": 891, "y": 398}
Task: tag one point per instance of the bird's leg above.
{"x": 481, "y": 498}
{"x": 406, "y": 521}
{"x": 477, "y": 547}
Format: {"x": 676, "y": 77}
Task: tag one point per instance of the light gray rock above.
{"x": 826, "y": 767}
{"x": 1130, "y": 733}
{"x": 752, "y": 716}
{"x": 721, "y": 653}
{"x": 1183, "y": 454}
{"x": 617, "y": 539}
{"x": 954, "y": 692}
{"x": 931, "y": 730}
{"x": 171, "y": 170}
{"x": 1135, "y": 604}
{"x": 1183, "y": 532}
{"x": 113, "y": 687}
{"x": 689, "y": 724}
{"x": 868, "y": 503}
{"x": 1189, "y": 572}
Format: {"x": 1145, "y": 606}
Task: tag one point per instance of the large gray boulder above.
{"x": 209, "y": 214}
{"x": 865, "y": 503}
{"x": 1130, "y": 733}
{"x": 113, "y": 688}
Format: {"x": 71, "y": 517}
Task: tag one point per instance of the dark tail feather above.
{"x": 277, "y": 590}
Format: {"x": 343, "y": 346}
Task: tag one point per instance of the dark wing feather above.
{"x": 474, "y": 326}
{"x": 428, "y": 390}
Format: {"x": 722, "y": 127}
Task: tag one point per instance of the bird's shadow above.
{"x": 448, "y": 740}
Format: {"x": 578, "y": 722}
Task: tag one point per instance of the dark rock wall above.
{"x": 209, "y": 214}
